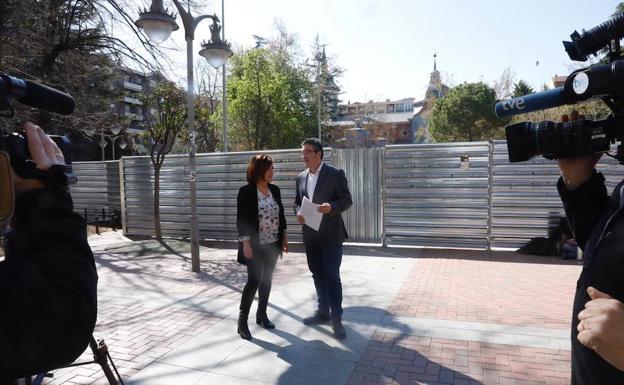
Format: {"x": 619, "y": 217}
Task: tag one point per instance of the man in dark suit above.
{"x": 326, "y": 186}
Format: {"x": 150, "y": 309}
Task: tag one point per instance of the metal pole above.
{"x": 113, "y": 143}
{"x": 318, "y": 97}
{"x": 192, "y": 149}
{"x": 102, "y": 143}
{"x": 225, "y": 140}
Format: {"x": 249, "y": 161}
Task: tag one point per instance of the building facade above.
{"x": 131, "y": 84}
{"x": 401, "y": 121}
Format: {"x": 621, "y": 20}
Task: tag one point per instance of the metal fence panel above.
{"x": 97, "y": 187}
{"x": 433, "y": 198}
{"x": 525, "y": 201}
{"x": 421, "y": 195}
{"x": 219, "y": 176}
{"x": 363, "y": 168}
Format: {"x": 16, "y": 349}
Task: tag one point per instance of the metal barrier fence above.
{"x": 97, "y": 187}
{"x": 219, "y": 176}
{"x": 364, "y": 170}
{"x": 463, "y": 195}
{"x": 437, "y": 195}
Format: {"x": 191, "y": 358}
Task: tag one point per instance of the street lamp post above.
{"x": 318, "y": 99}
{"x": 317, "y": 67}
{"x": 158, "y": 25}
{"x": 225, "y": 128}
{"x": 122, "y": 143}
{"x": 115, "y": 130}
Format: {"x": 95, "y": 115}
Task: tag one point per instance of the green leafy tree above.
{"x": 466, "y": 113}
{"x": 161, "y": 131}
{"x": 522, "y": 88}
{"x": 270, "y": 97}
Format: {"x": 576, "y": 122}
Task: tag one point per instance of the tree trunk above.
{"x": 157, "y": 229}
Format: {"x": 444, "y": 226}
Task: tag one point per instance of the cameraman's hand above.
{"x": 43, "y": 151}
{"x": 576, "y": 171}
{"x": 601, "y": 327}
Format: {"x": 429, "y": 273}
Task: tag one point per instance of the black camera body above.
{"x": 15, "y": 145}
{"x": 580, "y": 137}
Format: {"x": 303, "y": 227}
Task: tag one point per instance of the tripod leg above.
{"x": 39, "y": 379}
{"x": 100, "y": 355}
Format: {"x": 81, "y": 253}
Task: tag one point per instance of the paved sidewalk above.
{"x": 412, "y": 317}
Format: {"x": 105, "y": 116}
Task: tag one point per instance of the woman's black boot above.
{"x": 261, "y": 317}
{"x": 243, "y": 329}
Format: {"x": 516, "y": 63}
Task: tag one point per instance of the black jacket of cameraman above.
{"x": 597, "y": 221}
{"x": 48, "y": 286}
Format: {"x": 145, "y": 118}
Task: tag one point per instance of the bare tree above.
{"x": 504, "y": 85}
{"x": 161, "y": 132}
{"x": 206, "y": 105}
{"x": 66, "y": 44}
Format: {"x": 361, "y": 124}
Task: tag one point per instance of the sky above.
{"x": 386, "y": 47}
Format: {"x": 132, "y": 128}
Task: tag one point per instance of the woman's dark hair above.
{"x": 257, "y": 167}
{"x": 316, "y": 143}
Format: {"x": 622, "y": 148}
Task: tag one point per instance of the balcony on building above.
{"x": 132, "y": 86}
{"x": 131, "y": 100}
{"x": 134, "y": 116}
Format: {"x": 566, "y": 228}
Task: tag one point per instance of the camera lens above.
{"x": 556, "y": 140}
{"x": 521, "y": 141}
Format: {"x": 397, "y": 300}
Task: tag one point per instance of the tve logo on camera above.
{"x": 513, "y": 104}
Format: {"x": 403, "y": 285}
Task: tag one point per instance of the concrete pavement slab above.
{"x": 295, "y": 349}
{"x": 220, "y": 379}
{"x": 164, "y": 374}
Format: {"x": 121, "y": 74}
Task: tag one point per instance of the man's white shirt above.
{"x": 312, "y": 178}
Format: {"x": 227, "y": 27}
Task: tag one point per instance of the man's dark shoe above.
{"x": 317, "y": 318}
{"x": 339, "y": 330}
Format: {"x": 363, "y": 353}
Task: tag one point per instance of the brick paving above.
{"x": 478, "y": 286}
{"x": 489, "y": 287}
{"x": 401, "y": 360}
{"x": 492, "y": 287}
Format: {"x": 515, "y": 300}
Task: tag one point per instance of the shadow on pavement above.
{"x": 380, "y": 360}
{"x": 178, "y": 247}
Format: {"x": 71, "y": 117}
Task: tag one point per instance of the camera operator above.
{"x": 597, "y": 222}
{"x": 48, "y": 280}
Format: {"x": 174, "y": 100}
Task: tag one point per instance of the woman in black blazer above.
{"x": 261, "y": 224}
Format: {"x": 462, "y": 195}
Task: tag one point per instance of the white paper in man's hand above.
{"x": 311, "y": 214}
